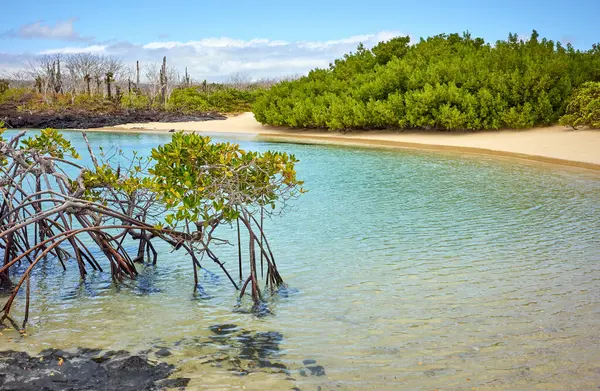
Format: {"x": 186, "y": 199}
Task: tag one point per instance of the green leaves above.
{"x": 193, "y": 179}
{"x": 445, "y": 82}
{"x": 199, "y": 179}
{"x": 135, "y": 101}
{"x": 225, "y": 100}
{"x": 583, "y": 108}
{"x": 51, "y": 142}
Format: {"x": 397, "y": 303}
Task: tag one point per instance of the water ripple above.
{"x": 408, "y": 270}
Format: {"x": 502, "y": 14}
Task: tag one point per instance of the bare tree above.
{"x": 82, "y": 67}
{"x": 239, "y": 80}
{"x": 18, "y": 78}
{"x": 125, "y": 77}
{"x": 157, "y": 83}
{"x": 106, "y": 65}
{"x": 44, "y": 71}
{"x": 152, "y": 73}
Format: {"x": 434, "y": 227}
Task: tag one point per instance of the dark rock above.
{"x": 181, "y": 382}
{"x": 132, "y": 364}
{"x": 85, "y": 369}
{"x": 223, "y": 329}
{"x": 78, "y": 119}
{"x": 278, "y": 365}
{"x": 53, "y": 353}
{"x": 316, "y": 370}
{"x": 116, "y": 353}
{"x": 264, "y": 363}
{"x": 88, "y": 351}
{"x": 100, "y": 359}
{"x": 239, "y": 351}
{"x": 164, "y": 352}
{"x": 309, "y": 361}
{"x": 247, "y": 353}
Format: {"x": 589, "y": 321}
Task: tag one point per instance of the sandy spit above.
{"x": 557, "y": 145}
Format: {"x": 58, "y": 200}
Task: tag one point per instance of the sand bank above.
{"x": 558, "y": 145}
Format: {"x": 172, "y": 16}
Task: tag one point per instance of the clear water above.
{"x": 408, "y": 270}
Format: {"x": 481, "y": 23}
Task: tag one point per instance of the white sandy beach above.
{"x": 559, "y": 145}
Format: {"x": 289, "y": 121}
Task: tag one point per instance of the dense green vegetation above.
{"x": 224, "y": 100}
{"x": 583, "y": 108}
{"x": 444, "y": 82}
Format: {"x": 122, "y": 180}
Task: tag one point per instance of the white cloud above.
{"x": 218, "y": 58}
{"x": 95, "y": 49}
{"x": 61, "y": 30}
{"x": 222, "y": 42}
{"x": 354, "y": 40}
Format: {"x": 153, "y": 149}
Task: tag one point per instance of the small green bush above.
{"x": 17, "y": 95}
{"x": 583, "y": 108}
{"x": 135, "y": 101}
{"x": 225, "y": 100}
{"x": 4, "y": 85}
{"x": 90, "y": 102}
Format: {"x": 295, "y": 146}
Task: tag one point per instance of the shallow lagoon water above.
{"x": 407, "y": 270}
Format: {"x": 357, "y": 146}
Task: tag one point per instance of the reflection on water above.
{"x": 407, "y": 270}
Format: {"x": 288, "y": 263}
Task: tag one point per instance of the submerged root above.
{"x": 93, "y": 218}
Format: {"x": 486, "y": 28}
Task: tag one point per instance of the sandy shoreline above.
{"x": 557, "y": 145}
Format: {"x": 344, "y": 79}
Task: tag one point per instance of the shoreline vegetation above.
{"x": 75, "y": 91}
{"x": 556, "y": 144}
{"x": 448, "y": 91}
{"x": 445, "y": 82}
{"x": 178, "y": 196}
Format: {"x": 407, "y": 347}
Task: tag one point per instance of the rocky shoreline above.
{"x": 85, "y": 369}
{"x": 72, "y": 119}
{"x": 229, "y": 348}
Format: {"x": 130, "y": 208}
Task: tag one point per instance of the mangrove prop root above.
{"x": 45, "y": 212}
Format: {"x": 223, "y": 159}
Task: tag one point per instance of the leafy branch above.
{"x": 180, "y": 195}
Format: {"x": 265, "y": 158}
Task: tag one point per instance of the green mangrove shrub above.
{"x": 226, "y": 100}
{"x": 446, "y": 82}
{"x": 583, "y": 108}
{"x": 108, "y": 216}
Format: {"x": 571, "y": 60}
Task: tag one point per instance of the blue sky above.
{"x": 251, "y": 37}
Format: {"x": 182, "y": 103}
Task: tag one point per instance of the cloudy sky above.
{"x": 216, "y": 39}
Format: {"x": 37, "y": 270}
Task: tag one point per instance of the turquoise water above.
{"x": 407, "y": 270}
